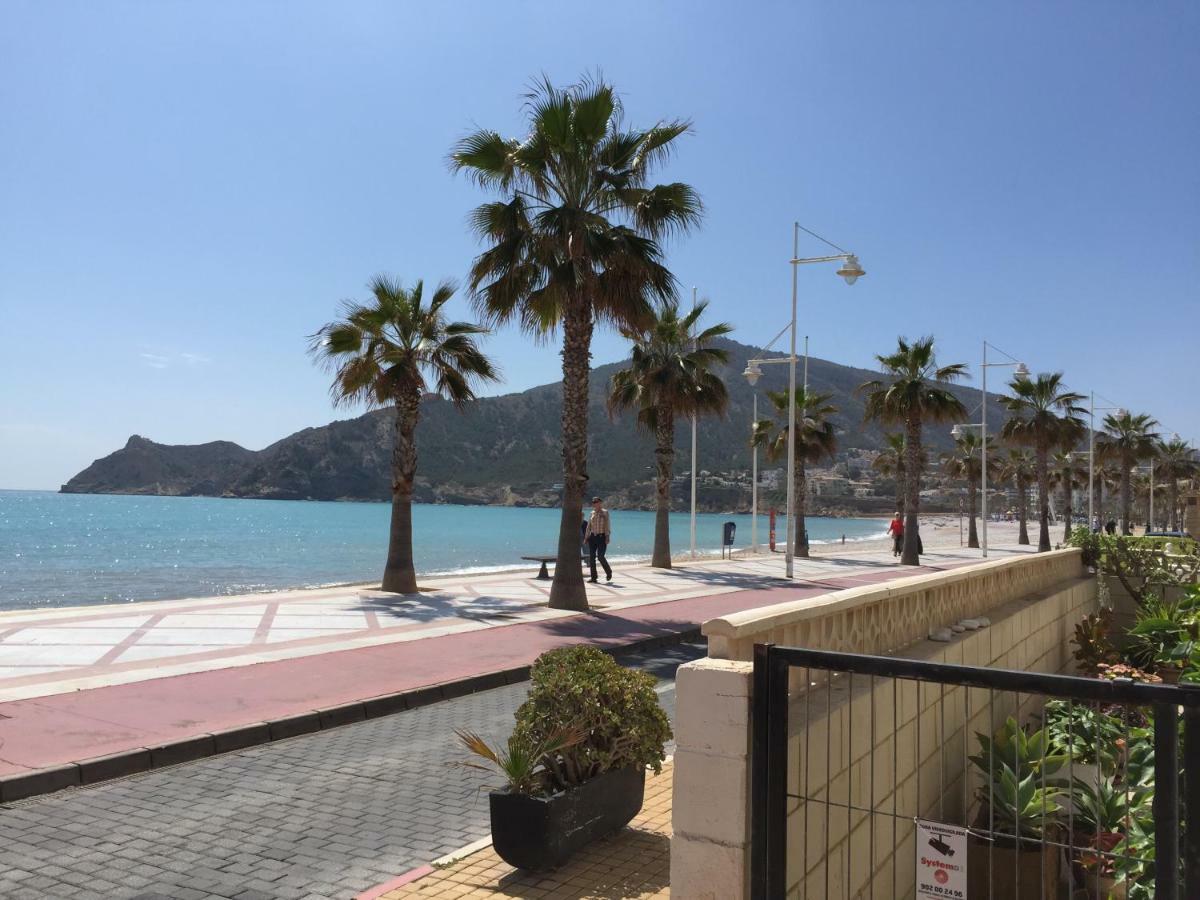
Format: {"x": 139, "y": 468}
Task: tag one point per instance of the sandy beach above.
{"x": 940, "y": 532}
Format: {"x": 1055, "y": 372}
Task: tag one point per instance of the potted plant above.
{"x": 582, "y": 743}
{"x": 1020, "y": 804}
{"x": 1104, "y": 814}
{"x": 1164, "y": 637}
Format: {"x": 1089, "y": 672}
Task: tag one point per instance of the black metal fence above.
{"x": 864, "y": 781}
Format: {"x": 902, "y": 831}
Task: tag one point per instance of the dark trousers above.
{"x": 597, "y": 546}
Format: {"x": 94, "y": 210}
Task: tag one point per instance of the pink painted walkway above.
{"x": 69, "y": 727}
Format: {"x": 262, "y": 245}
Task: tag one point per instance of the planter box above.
{"x": 541, "y": 833}
{"x": 1031, "y": 873}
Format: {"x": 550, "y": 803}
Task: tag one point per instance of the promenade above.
{"x": 164, "y": 681}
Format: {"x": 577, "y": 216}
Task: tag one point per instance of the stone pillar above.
{"x": 1191, "y": 514}
{"x": 710, "y": 816}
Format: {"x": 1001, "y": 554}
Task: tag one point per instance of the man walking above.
{"x": 598, "y": 534}
{"x": 896, "y": 530}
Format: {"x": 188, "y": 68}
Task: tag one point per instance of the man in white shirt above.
{"x": 598, "y": 534}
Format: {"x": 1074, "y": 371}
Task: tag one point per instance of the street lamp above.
{"x": 851, "y": 271}
{"x": 752, "y": 373}
{"x": 1022, "y": 373}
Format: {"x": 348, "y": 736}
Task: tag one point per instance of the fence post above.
{"x": 1166, "y": 801}
{"x": 1191, "y": 799}
{"x": 760, "y": 718}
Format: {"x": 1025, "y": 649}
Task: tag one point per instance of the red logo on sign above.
{"x": 940, "y": 876}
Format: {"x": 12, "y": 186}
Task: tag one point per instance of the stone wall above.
{"x": 871, "y": 733}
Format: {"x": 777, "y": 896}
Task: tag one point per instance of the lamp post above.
{"x": 693, "y": 457}
{"x": 1022, "y": 373}
{"x": 851, "y": 271}
{"x": 754, "y": 480}
{"x": 752, "y": 373}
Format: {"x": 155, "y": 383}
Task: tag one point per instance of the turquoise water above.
{"x": 66, "y": 549}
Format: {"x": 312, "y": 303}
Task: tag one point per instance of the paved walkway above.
{"x": 56, "y": 651}
{"x": 320, "y": 817}
{"x": 633, "y": 864}
{"x": 485, "y": 628}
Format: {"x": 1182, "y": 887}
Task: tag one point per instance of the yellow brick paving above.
{"x": 633, "y": 864}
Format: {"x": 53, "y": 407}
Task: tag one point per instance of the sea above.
{"x": 77, "y": 549}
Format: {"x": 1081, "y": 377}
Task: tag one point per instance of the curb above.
{"x": 50, "y": 779}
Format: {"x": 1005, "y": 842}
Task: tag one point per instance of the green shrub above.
{"x": 615, "y": 709}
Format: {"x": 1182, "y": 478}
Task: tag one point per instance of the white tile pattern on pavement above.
{"x": 53, "y": 651}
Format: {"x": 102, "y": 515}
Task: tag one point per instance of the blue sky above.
{"x": 188, "y": 189}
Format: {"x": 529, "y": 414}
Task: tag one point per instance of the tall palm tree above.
{"x": 1042, "y": 416}
{"x": 914, "y": 393}
{"x": 574, "y": 241}
{"x": 1019, "y": 468}
{"x": 390, "y": 352}
{"x": 670, "y": 375}
{"x": 965, "y": 463}
{"x": 1176, "y": 462}
{"x": 1068, "y": 472}
{"x": 889, "y": 463}
{"x": 1126, "y": 441}
{"x": 816, "y": 439}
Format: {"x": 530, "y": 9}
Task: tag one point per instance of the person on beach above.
{"x": 896, "y": 530}
{"x": 598, "y": 534}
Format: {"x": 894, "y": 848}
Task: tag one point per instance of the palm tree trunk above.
{"x": 1022, "y": 511}
{"x": 972, "y": 531}
{"x": 664, "y": 458}
{"x": 800, "y": 533}
{"x": 1126, "y": 496}
{"x": 1043, "y": 479}
{"x": 1173, "y": 504}
{"x": 912, "y": 491}
{"x": 399, "y": 574}
{"x": 567, "y": 590}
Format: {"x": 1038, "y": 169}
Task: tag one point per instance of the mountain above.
{"x": 502, "y": 449}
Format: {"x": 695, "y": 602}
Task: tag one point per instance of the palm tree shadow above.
{"x": 426, "y": 607}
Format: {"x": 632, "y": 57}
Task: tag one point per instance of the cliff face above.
{"x": 499, "y": 450}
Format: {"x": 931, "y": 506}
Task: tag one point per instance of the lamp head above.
{"x": 851, "y": 270}
{"x": 1122, "y": 413}
{"x": 956, "y": 432}
{"x": 753, "y": 372}
{"x": 1022, "y": 372}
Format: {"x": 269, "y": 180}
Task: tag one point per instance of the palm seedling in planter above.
{"x": 576, "y": 762}
{"x": 1021, "y": 805}
{"x": 1106, "y": 814}
{"x": 1164, "y": 637}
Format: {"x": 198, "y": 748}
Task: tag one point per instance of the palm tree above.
{"x": 574, "y": 241}
{"x": 1127, "y": 440}
{"x": 915, "y": 393}
{"x": 1019, "y": 468}
{"x": 965, "y": 462}
{"x": 670, "y": 375}
{"x": 1176, "y": 462}
{"x": 1067, "y": 472}
{"x": 816, "y": 439}
{"x": 1043, "y": 414}
{"x": 390, "y": 352}
{"x": 889, "y": 463}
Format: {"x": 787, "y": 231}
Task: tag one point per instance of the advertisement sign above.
{"x": 941, "y": 861}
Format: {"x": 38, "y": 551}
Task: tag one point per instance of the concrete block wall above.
{"x": 890, "y": 745}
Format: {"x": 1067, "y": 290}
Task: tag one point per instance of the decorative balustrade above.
{"x": 882, "y": 618}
